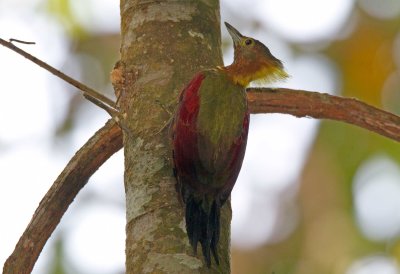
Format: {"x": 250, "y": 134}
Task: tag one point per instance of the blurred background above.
{"x": 313, "y": 196}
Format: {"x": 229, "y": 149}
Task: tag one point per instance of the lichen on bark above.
{"x": 163, "y": 45}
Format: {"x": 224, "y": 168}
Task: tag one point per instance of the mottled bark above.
{"x": 163, "y": 45}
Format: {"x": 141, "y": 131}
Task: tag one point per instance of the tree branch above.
{"x": 73, "y": 178}
{"x": 302, "y": 103}
{"x": 89, "y": 93}
{"x": 108, "y": 140}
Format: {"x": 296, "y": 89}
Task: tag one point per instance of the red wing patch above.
{"x": 185, "y": 133}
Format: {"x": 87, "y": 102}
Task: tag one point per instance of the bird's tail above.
{"x": 203, "y": 225}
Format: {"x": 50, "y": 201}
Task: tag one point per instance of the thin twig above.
{"x": 89, "y": 92}
{"x": 21, "y": 41}
{"x": 112, "y": 112}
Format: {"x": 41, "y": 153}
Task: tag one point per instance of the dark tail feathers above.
{"x": 203, "y": 225}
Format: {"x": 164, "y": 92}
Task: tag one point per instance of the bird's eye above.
{"x": 248, "y": 42}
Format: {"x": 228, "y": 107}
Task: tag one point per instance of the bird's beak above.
{"x": 236, "y": 36}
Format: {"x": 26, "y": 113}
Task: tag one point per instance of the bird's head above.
{"x": 253, "y": 61}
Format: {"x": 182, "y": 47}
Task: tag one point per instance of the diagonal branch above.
{"x": 302, "y": 103}
{"x": 108, "y": 140}
{"x": 73, "y": 178}
{"x": 89, "y": 93}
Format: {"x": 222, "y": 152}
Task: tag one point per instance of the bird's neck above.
{"x": 237, "y": 75}
{"x": 244, "y": 72}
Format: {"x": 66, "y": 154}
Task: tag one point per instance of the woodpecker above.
{"x": 209, "y": 136}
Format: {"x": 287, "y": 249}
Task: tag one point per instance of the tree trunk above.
{"x": 163, "y": 44}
